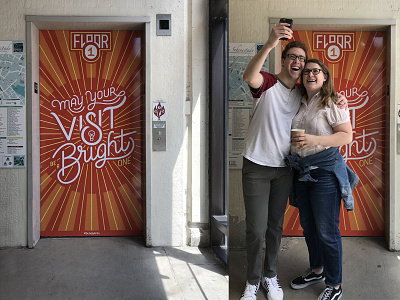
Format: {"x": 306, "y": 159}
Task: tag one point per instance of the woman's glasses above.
{"x": 314, "y": 71}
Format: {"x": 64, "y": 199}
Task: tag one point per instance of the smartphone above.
{"x": 289, "y": 21}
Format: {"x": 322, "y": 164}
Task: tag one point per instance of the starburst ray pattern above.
{"x": 357, "y": 62}
{"x": 91, "y": 133}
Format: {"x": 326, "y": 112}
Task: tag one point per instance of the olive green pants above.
{"x": 265, "y": 191}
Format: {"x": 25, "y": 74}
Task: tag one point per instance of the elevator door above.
{"x": 91, "y": 133}
{"x": 357, "y": 62}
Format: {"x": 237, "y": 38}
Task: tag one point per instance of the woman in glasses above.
{"x": 322, "y": 178}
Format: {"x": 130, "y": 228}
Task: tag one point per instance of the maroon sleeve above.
{"x": 268, "y": 81}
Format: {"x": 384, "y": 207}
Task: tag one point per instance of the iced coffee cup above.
{"x": 294, "y": 132}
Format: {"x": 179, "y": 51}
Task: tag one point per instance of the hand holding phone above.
{"x": 289, "y": 21}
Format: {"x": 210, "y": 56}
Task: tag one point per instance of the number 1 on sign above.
{"x": 333, "y": 52}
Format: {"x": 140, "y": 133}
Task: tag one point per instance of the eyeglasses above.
{"x": 314, "y": 71}
{"x": 294, "y": 56}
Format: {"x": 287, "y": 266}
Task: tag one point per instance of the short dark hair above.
{"x": 294, "y": 44}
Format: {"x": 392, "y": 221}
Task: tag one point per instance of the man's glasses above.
{"x": 294, "y": 56}
{"x": 314, "y": 71}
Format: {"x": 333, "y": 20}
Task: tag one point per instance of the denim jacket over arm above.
{"x": 330, "y": 160}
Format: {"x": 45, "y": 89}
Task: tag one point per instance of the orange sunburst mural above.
{"x": 91, "y": 133}
{"x": 357, "y": 61}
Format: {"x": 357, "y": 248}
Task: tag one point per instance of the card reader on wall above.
{"x": 163, "y": 24}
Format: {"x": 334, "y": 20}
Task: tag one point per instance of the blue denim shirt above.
{"x": 330, "y": 160}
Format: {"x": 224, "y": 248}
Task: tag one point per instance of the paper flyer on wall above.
{"x": 239, "y": 118}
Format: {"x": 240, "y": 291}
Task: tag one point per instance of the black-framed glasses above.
{"x": 315, "y": 71}
{"x": 294, "y": 56}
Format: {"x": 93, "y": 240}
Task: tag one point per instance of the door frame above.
{"x": 218, "y": 126}
{"x": 33, "y": 25}
{"x": 391, "y": 159}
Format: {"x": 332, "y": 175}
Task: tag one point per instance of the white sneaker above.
{"x": 273, "y": 288}
{"x": 250, "y": 291}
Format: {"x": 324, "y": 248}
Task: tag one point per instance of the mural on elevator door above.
{"x": 357, "y": 61}
{"x": 91, "y": 133}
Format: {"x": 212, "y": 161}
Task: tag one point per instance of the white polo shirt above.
{"x": 268, "y": 138}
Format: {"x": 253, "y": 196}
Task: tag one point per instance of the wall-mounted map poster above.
{"x": 12, "y": 105}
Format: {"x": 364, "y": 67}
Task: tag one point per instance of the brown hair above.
{"x": 294, "y": 44}
{"x": 327, "y": 92}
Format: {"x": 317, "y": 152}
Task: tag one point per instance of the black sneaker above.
{"x": 330, "y": 293}
{"x": 308, "y": 278}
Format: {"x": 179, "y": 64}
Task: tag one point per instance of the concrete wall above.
{"x": 179, "y": 186}
{"x": 249, "y": 23}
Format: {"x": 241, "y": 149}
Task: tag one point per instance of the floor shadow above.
{"x": 81, "y": 268}
{"x": 370, "y": 270}
{"x": 110, "y": 268}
